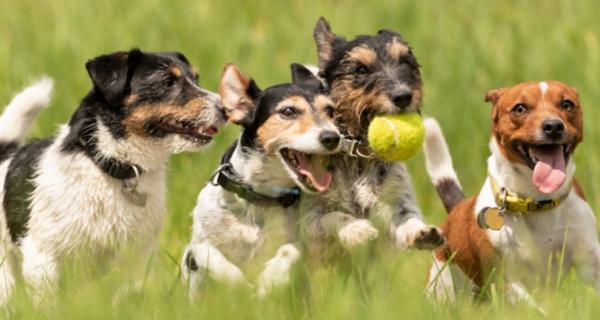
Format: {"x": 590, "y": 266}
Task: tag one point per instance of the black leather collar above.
{"x": 111, "y": 166}
{"x": 226, "y": 177}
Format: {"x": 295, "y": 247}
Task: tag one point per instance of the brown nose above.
{"x": 553, "y": 129}
{"x": 329, "y": 139}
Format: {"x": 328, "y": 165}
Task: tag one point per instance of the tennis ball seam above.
{"x": 393, "y": 128}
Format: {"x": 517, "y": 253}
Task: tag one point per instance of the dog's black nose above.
{"x": 329, "y": 139}
{"x": 553, "y": 129}
{"x": 402, "y": 99}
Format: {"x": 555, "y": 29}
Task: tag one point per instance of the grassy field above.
{"x": 465, "y": 48}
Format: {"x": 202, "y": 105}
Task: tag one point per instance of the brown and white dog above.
{"x": 539, "y": 224}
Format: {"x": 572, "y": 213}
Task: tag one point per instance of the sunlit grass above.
{"x": 465, "y": 48}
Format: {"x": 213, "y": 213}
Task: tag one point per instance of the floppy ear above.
{"x": 302, "y": 75}
{"x": 239, "y": 95}
{"x": 109, "y": 73}
{"x": 325, "y": 40}
{"x": 494, "y": 95}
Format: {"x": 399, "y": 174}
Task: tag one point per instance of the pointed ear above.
{"x": 109, "y": 73}
{"x": 301, "y": 75}
{"x": 325, "y": 40}
{"x": 239, "y": 95}
{"x": 494, "y": 95}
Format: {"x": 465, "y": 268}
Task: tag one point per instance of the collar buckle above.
{"x": 356, "y": 149}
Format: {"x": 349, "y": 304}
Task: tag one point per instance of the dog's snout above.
{"x": 329, "y": 139}
{"x": 553, "y": 129}
{"x": 402, "y": 99}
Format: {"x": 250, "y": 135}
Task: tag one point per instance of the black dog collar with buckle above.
{"x": 111, "y": 166}
{"x": 226, "y": 177}
{"x": 116, "y": 169}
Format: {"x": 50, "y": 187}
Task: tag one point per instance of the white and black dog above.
{"x": 98, "y": 186}
{"x": 288, "y": 133}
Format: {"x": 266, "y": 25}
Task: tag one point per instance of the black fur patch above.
{"x": 450, "y": 193}
{"x": 6, "y": 149}
{"x": 18, "y": 187}
{"x": 190, "y": 262}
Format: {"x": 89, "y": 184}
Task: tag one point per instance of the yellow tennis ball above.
{"x": 396, "y": 137}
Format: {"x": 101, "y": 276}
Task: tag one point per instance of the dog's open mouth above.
{"x": 310, "y": 169}
{"x": 186, "y": 129}
{"x": 548, "y": 162}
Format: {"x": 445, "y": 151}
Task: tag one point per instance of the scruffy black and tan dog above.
{"x": 367, "y": 76}
{"x": 98, "y": 186}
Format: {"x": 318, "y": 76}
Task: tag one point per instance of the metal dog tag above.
{"x": 130, "y": 192}
{"x": 490, "y": 218}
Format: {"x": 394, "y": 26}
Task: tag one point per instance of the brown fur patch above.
{"x": 352, "y": 103}
{"x": 273, "y": 132}
{"x": 321, "y": 102}
{"x": 232, "y": 88}
{"x": 363, "y": 54}
{"x": 396, "y": 49}
{"x": 509, "y": 128}
{"x": 137, "y": 120}
{"x": 472, "y": 249}
{"x": 130, "y": 100}
{"x": 176, "y": 71}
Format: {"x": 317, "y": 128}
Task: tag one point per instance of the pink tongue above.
{"x": 549, "y": 172}
{"x": 316, "y": 172}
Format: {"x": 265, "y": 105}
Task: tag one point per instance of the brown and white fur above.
{"x": 530, "y": 247}
{"x": 281, "y": 124}
{"x": 367, "y": 76}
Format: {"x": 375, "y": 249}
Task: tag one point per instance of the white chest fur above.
{"x": 75, "y": 206}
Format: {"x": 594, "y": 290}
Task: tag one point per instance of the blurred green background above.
{"x": 465, "y": 48}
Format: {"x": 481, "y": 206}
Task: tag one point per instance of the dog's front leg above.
{"x": 277, "y": 269}
{"x": 587, "y": 261}
{"x": 40, "y": 269}
{"x": 203, "y": 259}
{"x": 407, "y": 226}
{"x": 516, "y": 293}
{"x": 350, "y": 231}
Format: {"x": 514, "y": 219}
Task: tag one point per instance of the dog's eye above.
{"x": 288, "y": 112}
{"x": 567, "y": 105}
{"x": 168, "y": 82}
{"x": 519, "y": 109}
{"x": 361, "y": 69}
{"x": 330, "y": 111}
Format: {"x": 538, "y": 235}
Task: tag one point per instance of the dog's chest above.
{"x": 75, "y": 205}
{"x": 533, "y": 242}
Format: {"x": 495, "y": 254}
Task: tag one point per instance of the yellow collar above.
{"x": 512, "y": 202}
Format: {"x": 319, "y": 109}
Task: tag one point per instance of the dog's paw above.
{"x": 277, "y": 270}
{"x": 357, "y": 233}
{"x": 414, "y": 234}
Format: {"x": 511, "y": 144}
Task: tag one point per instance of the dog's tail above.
{"x": 439, "y": 165}
{"x": 20, "y": 113}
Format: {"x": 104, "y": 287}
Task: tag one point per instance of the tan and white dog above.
{"x": 530, "y": 219}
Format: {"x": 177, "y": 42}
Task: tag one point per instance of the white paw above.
{"x": 414, "y": 234}
{"x": 277, "y": 270}
{"x": 356, "y": 233}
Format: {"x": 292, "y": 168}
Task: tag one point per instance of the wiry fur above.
{"x": 367, "y": 76}
{"x": 75, "y": 208}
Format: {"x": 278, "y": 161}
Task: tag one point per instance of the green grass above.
{"x": 465, "y": 47}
